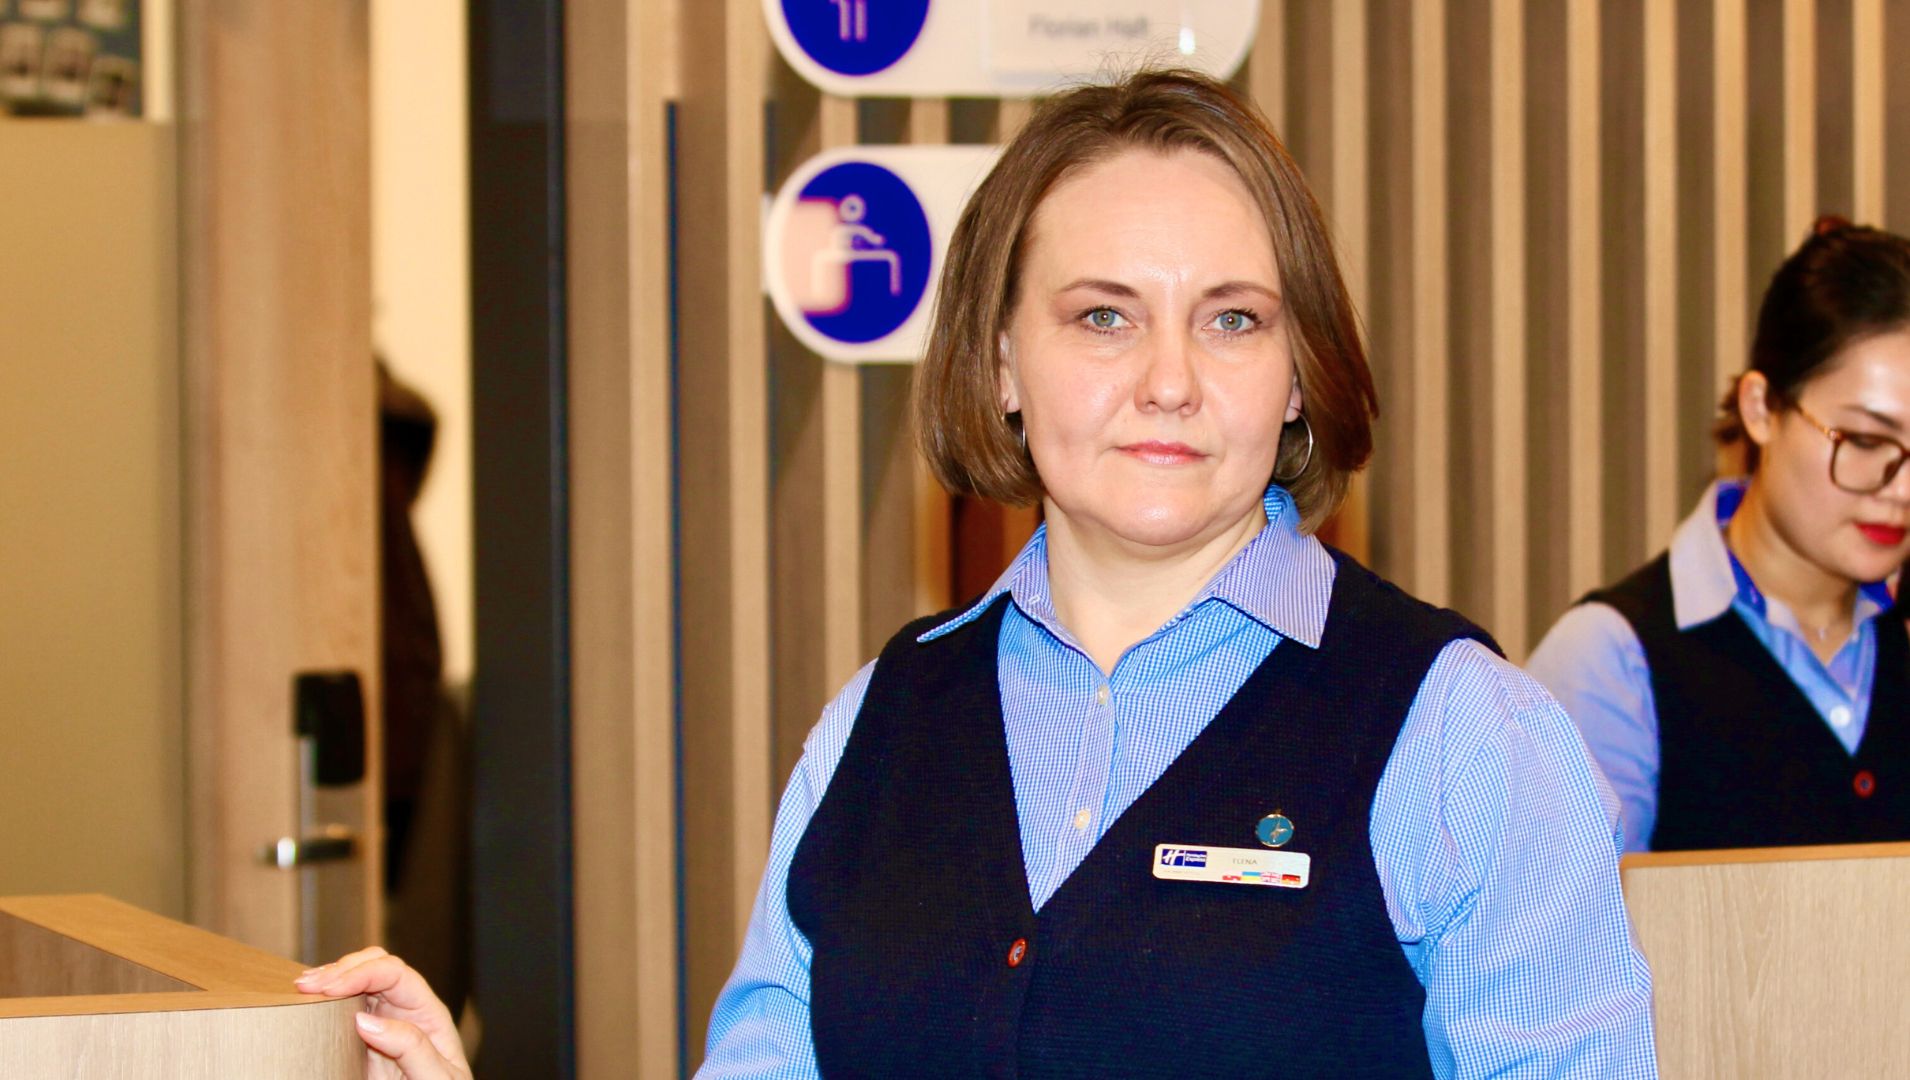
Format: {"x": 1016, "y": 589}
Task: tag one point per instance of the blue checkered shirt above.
{"x": 1495, "y": 838}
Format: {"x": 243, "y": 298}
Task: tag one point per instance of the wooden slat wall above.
{"x": 1555, "y": 218}
{"x": 622, "y": 75}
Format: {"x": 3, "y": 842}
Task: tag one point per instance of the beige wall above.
{"x": 421, "y": 259}
{"x": 91, "y": 730}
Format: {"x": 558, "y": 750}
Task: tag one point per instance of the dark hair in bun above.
{"x": 1844, "y": 283}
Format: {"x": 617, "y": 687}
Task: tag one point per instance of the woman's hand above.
{"x": 410, "y": 1032}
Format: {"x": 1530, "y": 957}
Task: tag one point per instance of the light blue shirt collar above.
{"x": 1282, "y": 579}
{"x": 1705, "y": 576}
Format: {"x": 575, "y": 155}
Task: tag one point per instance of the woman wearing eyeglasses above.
{"x": 1747, "y": 687}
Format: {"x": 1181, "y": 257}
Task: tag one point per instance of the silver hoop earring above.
{"x": 1013, "y": 420}
{"x": 1304, "y": 462}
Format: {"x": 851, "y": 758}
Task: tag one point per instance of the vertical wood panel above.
{"x": 624, "y": 701}
{"x": 898, "y": 553}
{"x": 933, "y": 521}
{"x": 1471, "y": 299}
{"x": 1018, "y": 523}
{"x": 722, "y": 423}
{"x": 799, "y": 459}
{"x": 747, "y": 59}
{"x": 1584, "y": 561}
{"x": 1431, "y": 559}
{"x": 1266, "y": 64}
{"x": 1833, "y": 84}
{"x": 1895, "y": 211}
{"x": 1696, "y": 273}
{"x": 1507, "y": 359}
{"x": 1621, "y": 255}
{"x": 1800, "y": 118}
{"x": 1389, "y": 308}
{"x": 1867, "y": 109}
{"x": 1662, "y": 422}
{"x": 841, "y": 555}
{"x": 1352, "y": 526}
{"x": 1768, "y": 161}
{"x": 1731, "y": 198}
{"x": 280, "y": 474}
{"x": 1549, "y": 400}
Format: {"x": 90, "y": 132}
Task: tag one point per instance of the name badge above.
{"x": 1232, "y": 866}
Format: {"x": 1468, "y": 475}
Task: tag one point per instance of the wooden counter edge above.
{"x": 194, "y": 956}
{"x": 182, "y": 1001}
{"x": 1652, "y": 860}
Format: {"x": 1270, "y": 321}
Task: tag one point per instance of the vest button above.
{"x": 1017, "y": 951}
{"x": 1863, "y": 783}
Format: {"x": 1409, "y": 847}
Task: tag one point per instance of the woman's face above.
{"x": 1148, "y": 351}
{"x": 1865, "y": 391}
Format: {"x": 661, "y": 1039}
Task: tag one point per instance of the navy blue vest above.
{"x": 909, "y": 881}
{"x": 1745, "y": 760}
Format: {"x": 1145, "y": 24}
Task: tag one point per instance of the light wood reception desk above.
{"x": 93, "y": 988}
{"x": 1777, "y": 962}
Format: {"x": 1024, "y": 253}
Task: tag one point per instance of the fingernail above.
{"x": 309, "y": 972}
{"x": 370, "y": 1023}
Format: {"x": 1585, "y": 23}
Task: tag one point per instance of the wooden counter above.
{"x": 94, "y": 988}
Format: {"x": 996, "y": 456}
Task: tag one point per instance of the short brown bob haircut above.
{"x": 974, "y": 449}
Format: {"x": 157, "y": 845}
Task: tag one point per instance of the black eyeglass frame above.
{"x": 1838, "y": 436}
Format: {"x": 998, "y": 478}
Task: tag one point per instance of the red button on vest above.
{"x": 1016, "y": 951}
{"x": 1863, "y": 783}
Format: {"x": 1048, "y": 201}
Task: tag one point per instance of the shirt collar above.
{"x": 1282, "y": 579}
{"x": 1706, "y": 576}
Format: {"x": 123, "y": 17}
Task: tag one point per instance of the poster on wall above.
{"x": 1000, "y": 48}
{"x": 853, "y": 245}
{"x": 70, "y": 58}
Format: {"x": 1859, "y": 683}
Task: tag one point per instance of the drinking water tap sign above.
{"x": 853, "y": 245}
{"x": 1000, "y": 48}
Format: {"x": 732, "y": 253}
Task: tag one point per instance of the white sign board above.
{"x": 853, "y": 245}
{"x": 1001, "y": 48}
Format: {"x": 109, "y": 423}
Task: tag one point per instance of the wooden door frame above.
{"x": 280, "y": 438}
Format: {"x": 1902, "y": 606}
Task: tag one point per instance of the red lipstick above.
{"x": 1882, "y": 535}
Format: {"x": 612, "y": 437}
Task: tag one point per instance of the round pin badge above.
{"x": 1274, "y": 830}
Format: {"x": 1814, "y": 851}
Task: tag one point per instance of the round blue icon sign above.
{"x": 855, "y": 37}
{"x": 870, "y": 270}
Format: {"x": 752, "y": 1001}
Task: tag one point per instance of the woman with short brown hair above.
{"x": 1185, "y": 792}
{"x": 976, "y": 451}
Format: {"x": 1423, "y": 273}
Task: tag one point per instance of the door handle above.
{"x": 333, "y": 843}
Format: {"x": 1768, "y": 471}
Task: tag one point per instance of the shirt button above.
{"x": 1101, "y": 695}
{"x": 1840, "y": 717}
{"x": 1017, "y": 951}
{"x": 1864, "y": 784}
{"x": 1082, "y": 818}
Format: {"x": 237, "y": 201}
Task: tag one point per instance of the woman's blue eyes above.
{"x": 1232, "y": 321}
